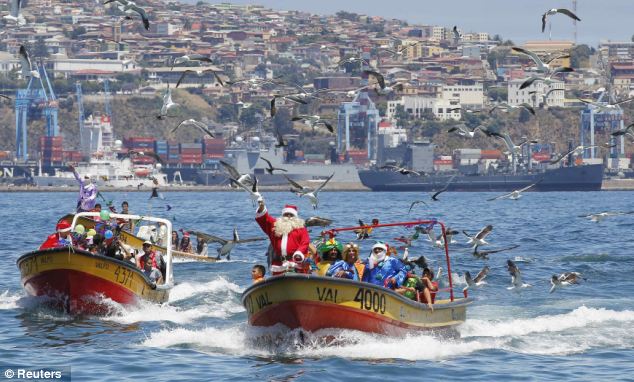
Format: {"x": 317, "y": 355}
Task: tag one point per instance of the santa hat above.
{"x": 63, "y": 226}
{"x": 290, "y": 209}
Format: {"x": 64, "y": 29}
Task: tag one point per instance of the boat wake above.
{"x": 560, "y": 334}
{"x": 10, "y": 300}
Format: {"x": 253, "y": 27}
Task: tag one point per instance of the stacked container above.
{"x": 358, "y": 156}
{"x": 140, "y": 143}
{"x": 72, "y": 156}
{"x": 173, "y": 153}
{"x": 51, "y": 149}
{"x": 191, "y": 153}
{"x": 214, "y": 148}
{"x": 161, "y": 149}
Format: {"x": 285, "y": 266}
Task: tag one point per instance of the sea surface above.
{"x": 582, "y": 332}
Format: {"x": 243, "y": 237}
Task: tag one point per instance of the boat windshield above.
{"x": 167, "y": 249}
{"x": 419, "y": 226}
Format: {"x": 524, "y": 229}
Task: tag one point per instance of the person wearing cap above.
{"x": 383, "y": 270}
{"x": 346, "y": 267}
{"x": 186, "y": 244}
{"x": 87, "y": 192}
{"x": 148, "y": 262}
{"x": 61, "y": 238}
{"x": 288, "y": 235}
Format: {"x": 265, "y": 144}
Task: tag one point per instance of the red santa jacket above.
{"x": 53, "y": 241}
{"x": 286, "y": 245}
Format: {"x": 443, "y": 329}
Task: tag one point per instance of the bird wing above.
{"x": 25, "y": 61}
{"x": 529, "y": 82}
{"x": 468, "y": 279}
{"x": 199, "y": 57}
{"x": 568, "y": 13}
{"x": 231, "y": 170}
{"x": 267, "y": 161}
{"x": 532, "y": 55}
{"x": 624, "y": 101}
{"x": 316, "y": 221}
{"x": 203, "y": 128}
{"x": 500, "y": 197}
{"x": 273, "y": 108}
{"x": 182, "y": 76}
{"x": 141, "y": 12}
{"x": 294, "y": 183}
{"x": 251, "y": 239}
{"x": 499, "y": 250}
{"x": 247, "y": 189}
{"x": 565, "y": 55}
{"x": 528, "y": 107}
{"x": 219, "y": 79}
{"x": 208, "y": 237}
{"x": 298, "y": 118}
{"x": 329, "y": 127}
{"x": 530, "y": 186}
{"x": 484, "y": 232}
{"x": 323, "y": 184}
{"x": 482, "y": 274}
{"x": 379, "y": 77}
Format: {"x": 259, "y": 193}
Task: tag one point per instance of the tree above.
{"x": 227, "y": 113}
{"x": 524, "y": 116}
{"x": 39, "y": 49}
{"x": 250, "y": 117}
{"x": 580, "y": 55}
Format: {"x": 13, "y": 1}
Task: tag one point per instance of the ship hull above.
{"x": 579, "y": 178}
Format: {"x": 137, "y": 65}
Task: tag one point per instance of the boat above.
{"x": 79, "y": 282}
{"x": 575, "y": 178}
{"x": 312, "y": 302}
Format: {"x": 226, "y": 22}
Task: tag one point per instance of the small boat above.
{"x": 311, "y": 302}
{"x": 78, "y": 281}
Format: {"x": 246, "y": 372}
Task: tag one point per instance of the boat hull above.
{"x": 77, "y": 281}
{"x": 312, "y": 303}
{"x": 579, "y": 178}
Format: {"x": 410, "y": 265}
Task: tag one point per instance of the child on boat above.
{"x": 257, "y": 273}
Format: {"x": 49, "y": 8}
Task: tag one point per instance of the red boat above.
{"x": 312, "y": 302}
{"x": 78, "y": 281}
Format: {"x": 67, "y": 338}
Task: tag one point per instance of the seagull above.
{"x": 253, "y": 191}
{"x": 478, "y": 280}
{"x": 296, "y": 187}
{"x": 516, "y": 276}
{"x": 577, "y": 150}
{"x": 244, "y": 179}
{"x": 512, "y": 146}
{"x": 627, "y": 129}
{"x": 198, "y": 73}
{"x": 608, "y": 106}
{"x": 26, "y": 66}
{"x": 270, "y": 169}
{"x": 456, "y": 35}
{"x": 316, "y": 221}
{"x": 565, "y": 279}
{"x": 515, "y": 195}
{"x": 189, "y": 58}
{"x": 226, "y": 245}
{"x": 251, "y": 82}
{"x": 548, "y": 80}
{"x": 280, "y": 139}
{"x": 464, "y": 131}
{"x": 313, "y": 120}
{"x": 365, "y": 230}
{"x": 484, "y": 255}
{"x": 131, "y": 6}
{"x": 397, "y": 52}
{"x": 434, "y": 197}
{"x": 436, "y": 241}
{"x": 312, "y": 194}
{"x": 6, "y": 97}
{"x": 156, "y": 194}
{"x": 192, "y": 122}
{"x": 597, "y": 217}
{"x": 479, "y": 238}
{"x": 14, "y": 15}
{"x": 290, "y": 97}
{"x": 167, "y": 104}
{"x": 554, "y": 11}
{"x": 506, "y": 106}
{"x": 401, "y": 170}
{"x": 542, "y": 66}
{"x": 352, "y": 60}
{"x": 377, "y": 76}
{"x": 152, "y": 154}
{"x": 415, "y": 202}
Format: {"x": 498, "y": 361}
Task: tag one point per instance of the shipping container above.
{"x": 5, "y": 154}
{"x": 215, "y": 156}
{"x": 490, "y": 154}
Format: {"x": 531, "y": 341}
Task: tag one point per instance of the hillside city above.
{"x": 444, "y": 79}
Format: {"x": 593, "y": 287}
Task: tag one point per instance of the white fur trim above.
{"x": 299, "y": 254}
{"x": 279, "y": 268}
{"x": 64, "y": 230}
{"x": 283, "y": 245}
{"x": 260, "y": 214}
{"x": 289, "y": 211}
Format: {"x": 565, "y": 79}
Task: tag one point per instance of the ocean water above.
{"x": 580, "y": 332}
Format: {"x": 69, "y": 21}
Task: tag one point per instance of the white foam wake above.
{"x": 9, "y": 300}
{"x": 186, "y": 290}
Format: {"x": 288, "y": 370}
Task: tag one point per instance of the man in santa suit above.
{"x": 288, "y": 235}
{"x": 61, "y": 238}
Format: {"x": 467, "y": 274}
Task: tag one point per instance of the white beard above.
{"x": 284, "y": 225}
{"x": 376, "y": 258}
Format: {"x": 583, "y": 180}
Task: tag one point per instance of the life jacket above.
{"x": 152, "y": 257}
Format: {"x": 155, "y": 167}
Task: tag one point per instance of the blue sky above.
{"x": 518, "y": 20}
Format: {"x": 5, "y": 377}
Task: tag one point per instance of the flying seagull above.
{"x": 565, "y": 279}
{"x": 434, "y": 197}
{"x": 25, "y": 64}
{"x": 514, "y": 195}
{"x": 542, "y": 66}
{"x": 456, "y": 35}
{"x": 280, "y": 140}
{"x": 506, "y": 106}
{"x": 270, "y": 169}
{"x": 131, "y": 6}
{"x": 151, "y": 154}
{"x": 226, "y": 245}
{"x": 291, "y": 98}
{"x": 192, "y": 122}
{"x": 314, "y": 120}
{"x": 464, "y": 131}
{"x": 401, "y": 170}
{"x": 197, "y": 72}
{"x": 352, "y": 60}
{"x": 244, "y": 179}
{"x": 296, "y": 187}
{"x": 627, "y": 129}
{"x": 516, "y": 276}
{"x": 398, "y": 52}
{"x": 415, "y": 202}
{"x": 478, "y": 280}
{"x": 597, "y": 217}
{"x": 253, "y": 191}
{"x": 608, "y": 106}
{"x": 190, "y": 58}
{"x": 554, "y": 11}
{"x": 577, "y": 150}
{"x": 512, "y": 147}
{"x": 484, "y": 255}
{"x": 479, "y": 238}
{"x": 548, "y": 80}
{"x": 167, "y": 104}
{"x": 14, "y": 15}
{"x": 316, "y": 221}
{"x": 312, "y": 194}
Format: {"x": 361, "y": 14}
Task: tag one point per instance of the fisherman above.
{"x": 383, "y": 270}
{"x": 347, "y": 267}
{"x": 288, "y": 235}
{"x": 61, "y": 238}
{"x": 87, "y": 192}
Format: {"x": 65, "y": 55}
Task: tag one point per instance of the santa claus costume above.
{"x": 61, "y": 238}
{"x": 288, "y": 235}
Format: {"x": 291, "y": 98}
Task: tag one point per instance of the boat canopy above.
{"x": 169, "y": 282}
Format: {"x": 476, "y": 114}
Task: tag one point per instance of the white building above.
{"x": 417, "y": 106}
{"x": 68, "y": 66}
{"x": 468, "y": 96}
{"x": 517, "y": 96}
